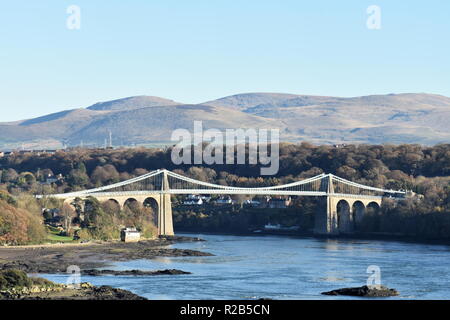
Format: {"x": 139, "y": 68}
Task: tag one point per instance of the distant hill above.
{"x": 248, "y": 101}
{"x": 156, "y": 124}
{"x": 393, "y": 118}
{"x": 132, "y": 103}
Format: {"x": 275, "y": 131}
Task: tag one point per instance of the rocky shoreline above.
{"x": 63, "y": 292}
{"x": 88, "y": 257}
{"x": 17, "y": 285}
{"x": 56, "y": 259}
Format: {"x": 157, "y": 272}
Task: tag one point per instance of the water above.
{"x": 252, "y": 267}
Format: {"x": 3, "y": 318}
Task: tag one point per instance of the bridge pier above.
{"x": 165, "y": 223}
{"x": 326, "y": 220}
{"x": 339, "y": 214}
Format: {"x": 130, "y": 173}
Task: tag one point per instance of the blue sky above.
{"x": 198, "y": 50}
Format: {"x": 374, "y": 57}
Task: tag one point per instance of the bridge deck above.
{"x": 161, "y": 181}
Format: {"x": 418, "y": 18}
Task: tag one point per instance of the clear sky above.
{"x": 197, "y": 50}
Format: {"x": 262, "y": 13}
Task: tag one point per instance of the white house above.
{"x": 193, "y": 200}
{"x": 130, "y": 235}
{"x": 224, "y": 200}
{"x": 252, "y": 203}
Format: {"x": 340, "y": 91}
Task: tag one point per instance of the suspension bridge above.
{"x": 342, "y": 202}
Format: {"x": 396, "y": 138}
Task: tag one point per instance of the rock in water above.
{"x": 98, "y": 272}
{"x": 364, "y": 291}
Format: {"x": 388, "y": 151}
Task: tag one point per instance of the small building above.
{"x": 51, "y": 179}
{"x": 53, "y": 212}
{"x": 280, "y": 203}
{"x": 56, "y": 221}
{"x": 252, "y": 203}
{"x": 130, "y": 235}
{"x": 41, "y": 152}
{"x": 224, "y": 200}
{"x": 205, "y": 199}
{"x": 264, "y": 201}
{"x": 193, "y": 200}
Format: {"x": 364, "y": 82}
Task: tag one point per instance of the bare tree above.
{"x": 68, "y": 213}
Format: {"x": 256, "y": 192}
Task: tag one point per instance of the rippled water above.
{"x": 249, "y": 267}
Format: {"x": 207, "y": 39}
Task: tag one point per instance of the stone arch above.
{"x": 373, "y": 216}
{"x": 131, "y": 203}
{"x": 343, "y": 216}
{"x": 153, "y": 204}
{"x": 358, "y": 211}
{"x": 373, "y": 207}
{"x": 112, "y": 205}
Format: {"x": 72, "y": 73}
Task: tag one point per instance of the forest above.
{"x": 424, "y": 170}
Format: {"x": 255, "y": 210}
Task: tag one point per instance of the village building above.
{"x": 130, "y": 235}
{"x": 50, "y": 179}
{"x": 252, "y": 203}
{"x": 193, "y": 200}
{"x": 280, "y": 202}
{"x": 196, "y": 200}
{"x": 224, "y": 200}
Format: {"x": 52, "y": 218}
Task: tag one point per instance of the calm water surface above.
{"x": 251, "y": 267}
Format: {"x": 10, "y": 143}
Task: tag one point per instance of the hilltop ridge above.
{"x": 393, "y": 118}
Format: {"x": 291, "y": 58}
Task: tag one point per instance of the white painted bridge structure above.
{"x": 343, "y": 202}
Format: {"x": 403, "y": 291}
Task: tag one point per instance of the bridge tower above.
{"x": 165, "y": 224}
{"x": 326, "y": 220}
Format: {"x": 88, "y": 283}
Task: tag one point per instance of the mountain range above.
{"x": 147, "y": 120}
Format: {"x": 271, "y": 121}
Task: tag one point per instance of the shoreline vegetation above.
{"x": 26, "y": 220}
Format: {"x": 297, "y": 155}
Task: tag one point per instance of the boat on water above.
{"x": 279, "y": 227}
